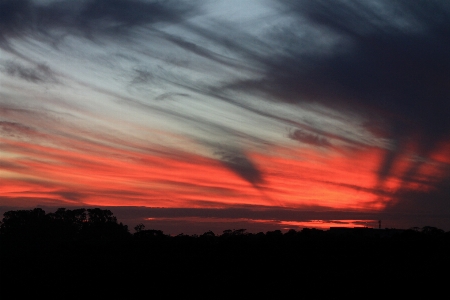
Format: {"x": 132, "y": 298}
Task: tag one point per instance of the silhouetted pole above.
{"x": 379, "y": 224}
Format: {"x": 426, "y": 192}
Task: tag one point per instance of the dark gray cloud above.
{"x": 309, "y": 138}
{"x": 40, "y": 73}
{"x": 14, "y": 129}
{"x": 204, "y": 52}
{"x": 141, "y": 77}
{"x": 387, "y": 61}
{"x": 399, "y": 73}
{"x": 76, "y": 197}
{"x": 170, "y": 96}
{"x": 240, "y": 164}
{"x": 434, "y": 200}
{"x": 88, "y": 18}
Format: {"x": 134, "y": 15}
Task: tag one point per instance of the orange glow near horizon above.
{"x": 285, "y": 225}
{"x": 107, "y": 176}
{"x": 326, "y": 224}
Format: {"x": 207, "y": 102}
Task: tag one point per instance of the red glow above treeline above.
{"x": 95, "y": 174}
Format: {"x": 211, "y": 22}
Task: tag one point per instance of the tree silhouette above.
{"x": 430, "y": 230}
{"x": 63, "y": 224}
{"x": 29, "y": 224}
{"x": 97, "y": 216}
{"x": 150, "y": 234}
{"x": 139, "y": 227}
{"x": 102, "y": 224}
{"x": 68, "y": 223}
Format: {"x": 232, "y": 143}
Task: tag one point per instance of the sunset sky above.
{"x": 190, "y": 116}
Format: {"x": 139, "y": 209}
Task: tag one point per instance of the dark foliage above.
{"x": 35, "y": 226}
{"x": 89, "y": 248}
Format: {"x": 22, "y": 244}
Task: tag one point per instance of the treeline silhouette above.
{"x": 88, "y": 246}
{"x": 62, "y": 225}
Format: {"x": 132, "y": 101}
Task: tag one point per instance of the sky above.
{"x": 190, "y": 116}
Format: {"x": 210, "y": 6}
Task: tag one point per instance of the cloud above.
{"x": 398, "y": 73}
{"x": 434, "y": 201}
{"x": 41, "y": 73}
{"x": 382, "y": 60}
{"x": 6, "y": 165}
{"x": 170, "y": 96}
{"x": 202, "y": 51}
{"x": 384, "y": 63}
{"x": 88, "y": 18}
{"x": 14, "y": 129}
{"x": 240, "y": 164}
{"x": 308, "y": 138}
{"x": 76, "y": 197}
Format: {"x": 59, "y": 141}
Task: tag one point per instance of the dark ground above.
{"x": 105, "y": 257}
